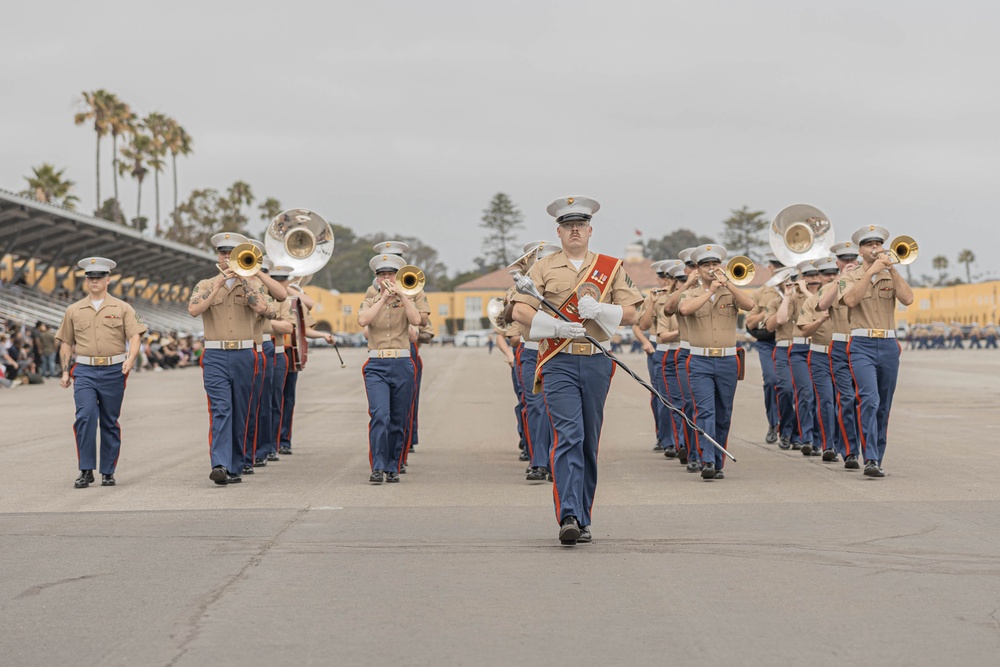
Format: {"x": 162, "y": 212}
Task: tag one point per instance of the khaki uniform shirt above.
{"x": 807, "y": 315}
{"x": 763, "y": 297}
{"x": 877, "y": 308}
{"x": 786, "y": 331}
{"x": 390, "y": 329}
{"x": 229, "y": 317}
{"x": 556, "y": 278}
{"x": 838, "y": 311}
{"x": 714, "y": 324}
{"x": 664, "y": 324}
{"x": 99, "y": 333}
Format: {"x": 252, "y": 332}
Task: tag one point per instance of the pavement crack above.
{"x": 195, "y": 619}
{"x": 35, "y": 590}
{"x": 918, "y": 533}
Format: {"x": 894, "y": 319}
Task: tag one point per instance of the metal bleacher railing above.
{"x": 28, "y": 305}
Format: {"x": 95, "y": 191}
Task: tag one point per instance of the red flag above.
{"x": 638, "y": 232}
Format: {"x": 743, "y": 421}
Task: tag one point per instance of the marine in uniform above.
{"x": 389, "y": 372}
{"x": 713, "y": 367}
{"x": 764, "y": 296}
{"x": 273, "y": 398}
{"x": 871, "y": 292}
{"x": 650, "y": 312}
{"x": 789, "y": 435}
{"x": 594, "y": 291}
{"x": 263, "y": 435}
{"x": 104, "y": 332}
{"x": 667, "y": 338}
{"x": 509, "y": 344}
{"x": 691, "y": 456}
{"x": 846, "y": 438}
{"x": 817, "y": 326}
{"x": 229, "y": 305}
{"x": 798, "y": 361}
{"x": 669, "y": 332}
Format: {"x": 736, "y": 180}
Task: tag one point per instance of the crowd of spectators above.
{"x": 29, "y": 355}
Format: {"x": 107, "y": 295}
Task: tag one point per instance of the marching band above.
{"x": 823, "y": 324}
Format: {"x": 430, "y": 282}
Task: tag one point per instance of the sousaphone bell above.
{"x": 800, "y": 232}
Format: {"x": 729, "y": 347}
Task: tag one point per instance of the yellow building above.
{"x": 967, "y": 304}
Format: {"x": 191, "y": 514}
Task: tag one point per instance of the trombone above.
{"x": 245, "y": 260}
{"x": 410, "y": 280}
{"x": 740, "y": 270}
{"x": 902, "y": 250}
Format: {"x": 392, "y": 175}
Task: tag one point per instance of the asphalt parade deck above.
{"x": 787, "y": 561}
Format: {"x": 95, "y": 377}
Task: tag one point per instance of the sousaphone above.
{"x": 800, "y": 232}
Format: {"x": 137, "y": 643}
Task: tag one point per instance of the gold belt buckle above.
{"x": 388, "y": 354}
{"x": 230, "y": 345}
{"x": 100, "y": 361}
{"x": 715, "y": 351}
{"x": 876, "y": 333}
{"x": 582, "y": 348}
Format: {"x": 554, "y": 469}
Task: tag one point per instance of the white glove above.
{"x": 545, "y": 326}
{"x": 607, "y": 315}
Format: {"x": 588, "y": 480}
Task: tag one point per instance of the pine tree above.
{"x": 501, "y": 218}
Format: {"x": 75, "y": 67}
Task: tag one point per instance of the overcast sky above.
{"x": 407, "y": 117}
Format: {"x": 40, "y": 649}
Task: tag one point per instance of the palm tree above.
{"x": 240, "y": 195}
{"x": 178, "y": 143}
{"x": 100, "y": 104}
{"x": 269, "y": 210}
{"x": 159, "y": 127}
{"x": 967, "y": 257}
{"x": 940, "y": 264}
{"x": 135, "y": 157}
{"x": 123, "y": 121}
{"x": 48, "y": 185}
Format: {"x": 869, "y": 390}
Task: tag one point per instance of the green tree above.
{"x": 348, "y": 269}
{"x": 744, "y": 233}
{"x": 99, "y": 108}
{"x": 135, "y": 162}
{"x": 670, "y": 245}
{"x": 122, "y": 121}
{"x": 178, "y": 143}
{"x": 204, "y": 214}
{"x": 159, "y": 126}
{"x": 940, "y": 264}
{"x": 48, "y": 185}
{"x": 269, "y": 210}
{"x": 967, "y": 257}
{"x": 111, "y": 210}
{"x": 501, "y": 219}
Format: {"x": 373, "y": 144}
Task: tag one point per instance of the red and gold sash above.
{"x": 596, "y": 283}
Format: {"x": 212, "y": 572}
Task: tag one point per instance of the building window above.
{"x": 473, "y": 312}
{"x": 347, "y": 310}
{"x": 443, "y": 310}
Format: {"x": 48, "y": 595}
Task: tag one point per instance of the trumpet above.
{"x": 246, "y": 259}
{"x": 902, "y": 250}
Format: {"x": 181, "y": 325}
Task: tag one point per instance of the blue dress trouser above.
{"x": 265, "y": 433}
{"x": 822, "y": 381}
{"x": 389, "y": 385}
{"x": 875, "y": 366}
{"x": 277, "y": 400}
{"x": 228, "y": 378}
{"x": 685, "y": 388}
{"x": 575, "y": 389}
{"x": 847, "y": 439}
{"x": 98, "y": 392}
{"x": 672, "y": 385}
{"x": 259, "y": 366}
{"x": 519, "y": 407}
{"x": 713, "y": 388}
{"x": 654, "y": 364}
{"x": 418, "y": 364}
{"x": 288, "y": 403}
{"x": 788, "y": 425}
{"x": 805, "y": 395}
{"x": 765, "y": 351}
{"x": 537, "y": 417}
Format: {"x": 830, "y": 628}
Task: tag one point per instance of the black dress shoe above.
{"x": 585, "y": 536}
{"x": 85, "y": 479}
{"x": 796, "y": 446}
{"x": 693, "y": 466}
{"x": 218, "y": 475}
{"x": 708, "y": 472}
{"x": 107, "y": 480}
{"x": 670, "y": 452}
{"x": 682, "y": 455}
{"x": 548, "y": 475}
{"x": 272, "y": 457}
{"x": 816, "y": 451}
{"x": 537, "y": 475}
{"x": 772, "y": 435}
{"x": 806, "y": 448}
{"x": 872, "y": 469}
{"x": 234, "y": 479}
{"x": 851, "y": 462}
{"x": 719, "y": 475}
{"x": 287, "y": 451}
{"x": 247, "y": 470}
{"x": 402, "y": 469}
{"x": 657, "y": 447}
{"x": 784, "y": 443}
{"x": 377, "y": 477}
{"x": 392, "y": 477}
{"x": 259, "y": 463}
{"x": 569, "y": 531}
{"x": 524, "y": 456}
{"x": 830, "y": 456}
